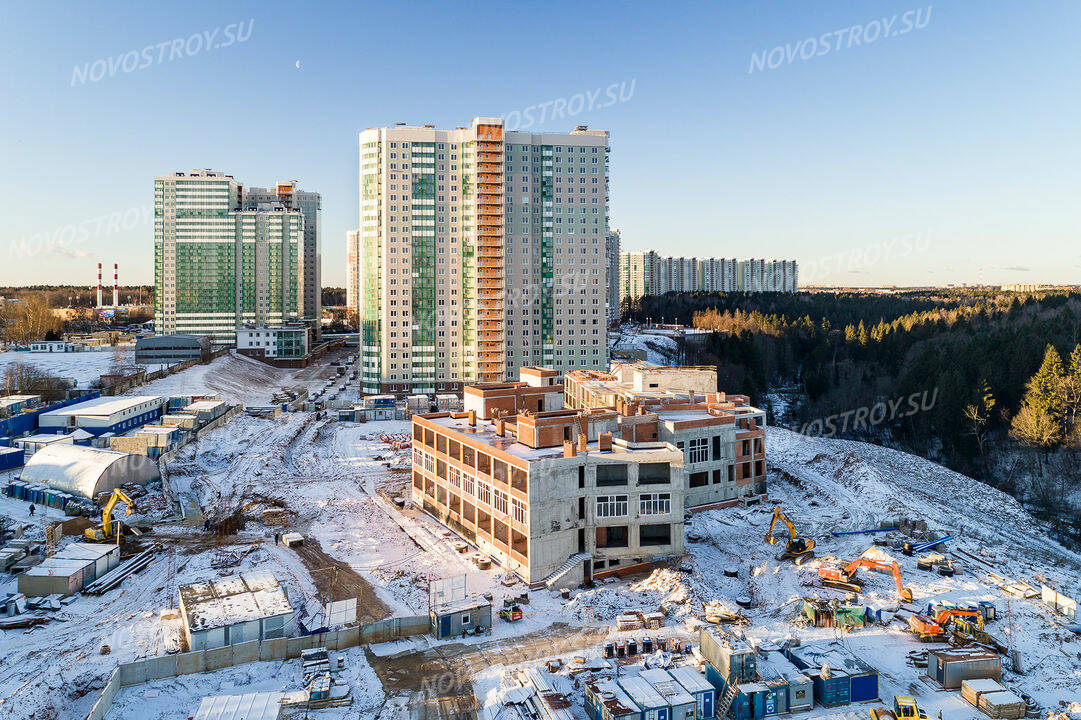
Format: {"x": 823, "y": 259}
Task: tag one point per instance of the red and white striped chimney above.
{"x": 99, "y": 284}
{"x": 116, "y": 285}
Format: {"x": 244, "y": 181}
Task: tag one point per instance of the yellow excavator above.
{"x": 108, "y": 527}
{"x": 904, "y": 708}
{"x": 798, "y": 549}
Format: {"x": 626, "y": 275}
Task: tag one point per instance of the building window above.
{"x": 698, "y": 450}
{"x": 611, "y": 506}
{"x": 467, "y": 484}
{"x": 655, "y": 535}
{"x": 654, "y": 474}
{"x": 484, "y": 493}
{"x": 455, "y": 477}
{"x": 655, "y": 504}
{"x": 519, "y": 510}
{"x": 611, "y": 475}
{"x": 500, "y": 501}
{"x": 466, "y": 619}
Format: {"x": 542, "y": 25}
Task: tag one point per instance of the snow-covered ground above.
{"x": 334, "y": 480}
{"x": 659, "y": 346}
{"x": 86, "y": 367}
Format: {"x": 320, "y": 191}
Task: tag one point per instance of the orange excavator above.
{"x": 843, "y": 577}
{"x": 959, "y": 621}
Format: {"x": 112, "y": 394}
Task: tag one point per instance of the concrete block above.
{"x": 246, "y": 652}
{"x": 160, "y": 667}
{"x": 273, "y": 649}
{"x": 191, "y": 662}
{"x": 218, "y": 658}
{"x": 132, "y": 673}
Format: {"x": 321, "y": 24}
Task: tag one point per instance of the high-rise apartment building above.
{"x": 352, "y": 274}
{"x": 647, "y": 273}
{"x": 311, "y": 258}
{"x": 219, "y": 262}
{"x": 482, "y": 251}
{"x": 612, "y": 260}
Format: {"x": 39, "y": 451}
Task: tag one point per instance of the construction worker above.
{"x": 277, "y": 537}
{"x": 31, "y": 509}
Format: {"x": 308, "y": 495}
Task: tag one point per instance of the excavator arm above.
{"x": 117, "y": 496}
{"x": 797, "y": 548}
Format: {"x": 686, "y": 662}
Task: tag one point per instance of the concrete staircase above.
{"x": 564, "y": 575}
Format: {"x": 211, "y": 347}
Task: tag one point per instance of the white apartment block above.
{"x": 647, "y": 273}
{"x": 481, "y": 251}
{"x": 221, "y": 263}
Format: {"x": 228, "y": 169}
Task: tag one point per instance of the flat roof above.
{"x": 253, "y": 706}
{"x": 103, "y": 406}
{"x": 619, "y": 703}
{"x": 643, "y": 694}
{"x": 667, "y": 686}
{"x": 233, "y": 599}
{"x": 45, "y": 438}
{"x": 691, "y": 678}
{"x": 460, "y": 605}
{"x": 835, "y": 655}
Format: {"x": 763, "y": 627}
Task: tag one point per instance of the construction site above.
{"x": 283, "y": 564}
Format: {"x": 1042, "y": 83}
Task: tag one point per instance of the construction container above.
{"x": 651, "y": 702}
{"x": 949, "y": 667}
{"x": 703, "y": 692}
{"x": 606, "y": 700}
{"x": 104, "y": 557}
{"x": 731, "y": 659}
{"x": 776, "y": 671}
{"x": 10, "y": 458}
{"x": 56, "y": 576}
{"x": 448, "y": 402}
{"x": 832, "y": 688}
{"x": 1002, "y": 704}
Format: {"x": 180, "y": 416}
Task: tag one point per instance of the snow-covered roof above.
{"x": 233, "y": 599}
{"x": 86, "y": 471}
{"x": 253, "y": 706}
{"x": 667, "y": 686}
{"x": 102, "y": 406}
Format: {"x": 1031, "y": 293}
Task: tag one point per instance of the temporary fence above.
{"x": 166, "y": 666}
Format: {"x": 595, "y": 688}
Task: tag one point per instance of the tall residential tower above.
{"x": 482, "y": 251}
{"x": 220, "y": 264}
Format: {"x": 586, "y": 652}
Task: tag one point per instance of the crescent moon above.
{"x": 298, "y": 64}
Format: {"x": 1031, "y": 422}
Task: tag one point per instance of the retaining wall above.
{"x": 166, "y": 666}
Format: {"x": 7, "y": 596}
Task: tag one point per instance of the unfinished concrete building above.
{"x": 721, "y": 435}
{"x": 537, "y": 390}
{"x": 550, "y": 495}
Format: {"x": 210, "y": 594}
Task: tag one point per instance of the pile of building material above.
{"x": 121, "y": 572}
{"x": 992, "y": 698}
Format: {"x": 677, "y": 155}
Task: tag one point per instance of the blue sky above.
{"x": 943, "y": 154}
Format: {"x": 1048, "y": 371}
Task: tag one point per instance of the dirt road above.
{"x": 437, "y": 684}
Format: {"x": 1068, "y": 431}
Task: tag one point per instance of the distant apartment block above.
{"x": 721, "y": 436}
{"x": 647, "y": 273}
{"x": 288, "y": 195}
{"x": 480, "y": 251}
{"x": 612, "y": 261}
{"x": 223, "y": 260}
{"x": 352, "y": 270}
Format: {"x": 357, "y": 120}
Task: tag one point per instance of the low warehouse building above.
{"x": 235, "y": 609}
{"x": 171, "y": 349}
{"x": 952, "y": 666}
{"x": 85, "y": 472}
{"x": 104, "y": 414}
{"x": 849, "y": 679}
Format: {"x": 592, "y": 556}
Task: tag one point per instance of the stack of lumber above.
{"x": 993, "y": 699}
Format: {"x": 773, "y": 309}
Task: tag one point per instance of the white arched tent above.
{"x": 85, "y": 471}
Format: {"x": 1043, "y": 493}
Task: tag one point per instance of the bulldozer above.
{"x": 844, "y": 577}
{"x": 797, "y": 549}
{"x": 110, "y": 528}
{"x": 904, "y": 708}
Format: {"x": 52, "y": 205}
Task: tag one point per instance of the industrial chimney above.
{"x": 116, "y": 286}
{"x": 99, "y": 285}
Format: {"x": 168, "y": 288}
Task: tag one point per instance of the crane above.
{"x": 904, "y": 708}
{"x": 107, "y": 528}
{"x": 843, "y": 577}
{"x": 797, "y": 548}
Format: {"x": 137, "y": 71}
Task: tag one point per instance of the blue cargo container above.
{"x": 704, "y": 693}
{"x": 864, "y": 686}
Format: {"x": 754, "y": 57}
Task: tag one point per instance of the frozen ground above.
{"x": 240, "y": 379}
{"x": 85, "y": 367}
{"x": 333, "y": 481}
{"x": 660, "y": 347}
